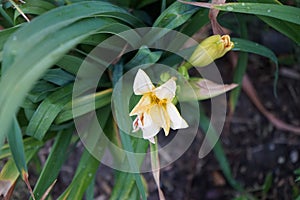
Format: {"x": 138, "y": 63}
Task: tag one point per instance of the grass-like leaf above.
{"x": 54, "y": 162}
{"x": 175, "y": 15}
{"x": 17, "y": 148}
{"x": 38, "y": 45}
{"x": 282, "y": 12}
{"x": 289, "y": 29}
{"x": 218, "y": 151}
{"x": 85, "y": 173}
{"x": 10, "y": 173}
{"x": 36, "y": 7}
{"x": 83, "y": 105}
{"x": 47, "y": 112}
{"x": 252, "y": 47}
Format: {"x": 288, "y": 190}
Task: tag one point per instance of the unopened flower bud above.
{"x": 210, "y": 49}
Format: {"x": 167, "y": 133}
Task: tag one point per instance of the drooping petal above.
{"x": 208, "y": 89}
{"x": 142, "y": 83}
{"x": 201, "y": 89}
{"x": 149, "y": 128}
{"x": 160, "y": 117}
{"x": 147, "y": 120}
{"x": 142, "y": 105}
{"x": 177, "y": 122}
{"x": 166, "y": 90}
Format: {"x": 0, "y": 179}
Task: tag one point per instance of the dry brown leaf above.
{"x": 25, "y": 179}
{"x": 155, "y": 166}
{"x": 48, "y": 190}
{"x": 218, "y": 179}
{"x": 211, "y": 89}
{"x": 19, "y": 10}
{"x": 213, "y": 14}
{"x": 6, "y": 188}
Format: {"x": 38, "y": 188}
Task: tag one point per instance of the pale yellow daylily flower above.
{"x": 155, "y": 109}
{"x": 210, "y": 49}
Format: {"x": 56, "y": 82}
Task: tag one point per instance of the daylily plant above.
{"x": 155, "y": 109}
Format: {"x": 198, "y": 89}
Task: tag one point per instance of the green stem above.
{"x": 183, "y": 70}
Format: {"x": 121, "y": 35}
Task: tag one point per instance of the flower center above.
{"x": 156, "y": 100}
{"x": 226, "y": 41}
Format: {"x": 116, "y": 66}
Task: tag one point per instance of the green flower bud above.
{"x": 210, "y": 49}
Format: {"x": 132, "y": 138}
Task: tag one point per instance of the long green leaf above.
{"x": 5, "y": 34}
{"x": 88, "y": 165}
{"x": 175, "y": 15}
{"x": 29, "y": 144}
{"x": 289, "y": 29}
{"x": 54, "y": 162}
{"x": 124, "y": 185}
{"x": 240, "y": 68}
{"x": 89, "y": 194}
{"x": 239, "y": 72}
{"x": 39, "y": 44}
{"x": 83, "y": 105}
{"x": 218, "y": 151}
{"x": 143, "y": 56}
{"x": 70, "y": 63}
{"x": 252, "y": 47}
{"x": 47, "y": 112}
{"x": 85, "y": 173}
{"x": 6, "y": 16}
{"x": 17, "y": 148}
{"x": 36, "y": 7}
{"x": 282, "y": 12}
{"x": 126, "y": 140}
{"x": 58, "y": 77}
{"x": 10, "y": 173}
{"x": 40, "y": 91}
{"x": 196, "y": 22}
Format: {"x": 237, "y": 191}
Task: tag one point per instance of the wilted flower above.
{"x": 210, "y": 49}
{"x": 155, "y": 109}
{"x": 203, "y": 89}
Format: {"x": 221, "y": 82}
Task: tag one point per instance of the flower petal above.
{"x": 177, "y": 122}
{"x": 142, "y": 83}
{"x": 142, "y": 106}
{"x": 166, "y": 90}
{"x": 135, "y": 124}
{"x": 160, "y": 117}
{"x": 150, "y": 128}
